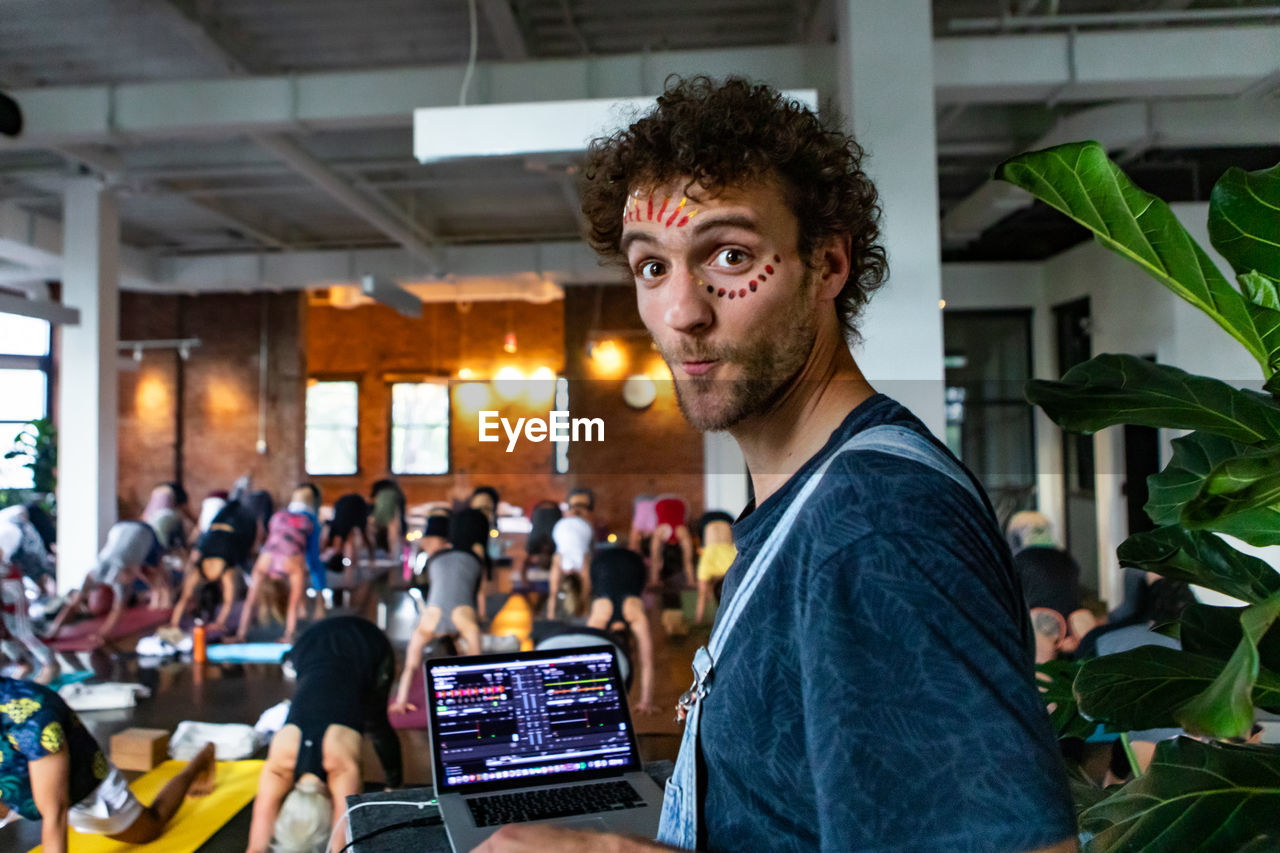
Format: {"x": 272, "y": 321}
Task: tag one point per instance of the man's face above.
{"x": 483, "y": 502}
{"x": 723, "y": 291}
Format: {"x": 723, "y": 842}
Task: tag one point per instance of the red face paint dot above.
{"x": 742, "y": 292}
{"x": 753, "y": 287}
{"x": 732, "y": 293}
{"x": 721, "y": 293}
{"x": 777, "y": 260}
{"x": 768, "y": 269}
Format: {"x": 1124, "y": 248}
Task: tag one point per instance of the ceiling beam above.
{"x": 183, "y": 19}
{"x": 565, "y": 262}
{"x": 1061, "y": 67}
{"x": 505, "y": 28}
{"x": 1130, "y": 128}
{"x": 415, "y": 240}
{"x": 53, "y": 312}
{"x": 30, "y": 240}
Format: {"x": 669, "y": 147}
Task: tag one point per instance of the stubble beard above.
{"x": 767, "y": 371}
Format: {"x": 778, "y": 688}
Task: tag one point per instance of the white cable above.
{"x": 471, "y": 58}
{"x": 333, "y": 835}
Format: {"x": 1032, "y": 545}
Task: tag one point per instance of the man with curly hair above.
{"x": 53, "y": 771}
{"x": 868, "y": 684}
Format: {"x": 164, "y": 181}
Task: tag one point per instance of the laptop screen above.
{"x": 529, "y": 718}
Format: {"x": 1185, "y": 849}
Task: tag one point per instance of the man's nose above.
{"x": 688, "y": 308}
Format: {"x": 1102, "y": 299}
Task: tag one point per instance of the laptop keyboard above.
{"x": 524, "y": 806}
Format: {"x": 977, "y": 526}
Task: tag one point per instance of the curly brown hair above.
{"x": 721, "y": 134}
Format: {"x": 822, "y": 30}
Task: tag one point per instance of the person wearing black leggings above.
{"x": 345, "y": 667}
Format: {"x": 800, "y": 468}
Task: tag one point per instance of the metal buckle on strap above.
{"x": 702, "y": 672}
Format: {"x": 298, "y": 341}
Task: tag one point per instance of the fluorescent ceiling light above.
{"x": 546, "y": 127}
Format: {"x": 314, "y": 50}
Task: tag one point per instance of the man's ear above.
{"x": 834, "y": 258}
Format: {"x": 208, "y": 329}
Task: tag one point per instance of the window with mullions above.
{"x": 333, "y": 422}
{"x": 420, "y": 427}
{"x": 25, "y": 365}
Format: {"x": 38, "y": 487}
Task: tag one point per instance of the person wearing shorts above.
{"x": 132, "y": 552}
{"x": 31, "y": 551}
{"x": 53, "y": 771}
{"x": 13, "y": 607}
{"x": 715, "y": 529}
{"x": 386, "y": 517}
{"x": 219, "y": 552}
{"x": 618, "y": 580}
{"x": 282, "y": 558}
{"x": 573, "y": 538}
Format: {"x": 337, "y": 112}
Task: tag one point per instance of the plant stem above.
{"x": 1128, "y": 753}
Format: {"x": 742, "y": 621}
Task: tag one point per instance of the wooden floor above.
{"x": 227, "y": 693}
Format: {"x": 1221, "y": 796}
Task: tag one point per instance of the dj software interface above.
{"x": 535, "y": 718}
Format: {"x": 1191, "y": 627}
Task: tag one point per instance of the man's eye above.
{"x": 649, "y": 270}
{"x": 731, "y": 258}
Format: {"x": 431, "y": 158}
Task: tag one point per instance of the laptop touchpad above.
{"x": 590, "y": 824}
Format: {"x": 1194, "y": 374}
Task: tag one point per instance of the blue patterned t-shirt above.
{"x": 877, "y": 691}
{"x": 35, "y": 723}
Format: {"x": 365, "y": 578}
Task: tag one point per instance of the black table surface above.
{"x": 365, "y": 818}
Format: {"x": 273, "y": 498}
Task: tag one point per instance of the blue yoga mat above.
{"x": 248, "y": 652}
{"x": 71, "y": 678}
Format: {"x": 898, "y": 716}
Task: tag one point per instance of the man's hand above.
{"x": 401, "y": 707}
{"x": 538, "y": 838}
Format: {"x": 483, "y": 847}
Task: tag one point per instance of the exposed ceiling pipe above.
{"x": 1112, "y": 19}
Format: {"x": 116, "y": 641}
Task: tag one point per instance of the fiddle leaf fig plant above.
{"x": 1204, "y": 790}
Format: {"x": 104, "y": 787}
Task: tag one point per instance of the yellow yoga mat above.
{"x": 196, "y": 821}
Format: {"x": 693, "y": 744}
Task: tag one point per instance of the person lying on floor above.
{"x": 219, "y": 554}
{"x": 454, "y": 605}
{"x": 618, "y": 579}
{"x": 132, "y": 553}
{"x": 53, "y": 771}
{"x": 345, "y": 667}
{"x": 283, "y": 558}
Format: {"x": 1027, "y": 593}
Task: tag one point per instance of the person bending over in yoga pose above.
{"x": 13, "y": 608}
{"x": 345, "y": 667}
{"x": 282, "y": 558}
{"x": 454, "y": 605}
{"x": 53, "y": 771}
{"x": 716, "y": 532}
{"x": 218, "y": 556}
{"x": 132, "y": 553}
{"x": 618, "y": 580}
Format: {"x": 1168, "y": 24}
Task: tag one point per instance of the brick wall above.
{"x": 376, "y": 346}
{"x": 646, "y": 451}
{"x": 198, "y": 420}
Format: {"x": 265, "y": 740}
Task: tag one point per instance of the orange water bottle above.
{"x": 199, "y": 652}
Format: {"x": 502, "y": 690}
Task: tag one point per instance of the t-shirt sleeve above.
{"x": 920, "y": 714}
{"x": 35, "y": 729}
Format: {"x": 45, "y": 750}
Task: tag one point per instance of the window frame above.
{"x": 42, "y": 363}
{"x": 316, "y": 379}
{"x": 391, "y": 382}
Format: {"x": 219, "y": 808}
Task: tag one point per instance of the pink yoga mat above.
{"x": 134, "y": 621}
{"x": 418, "y": 696}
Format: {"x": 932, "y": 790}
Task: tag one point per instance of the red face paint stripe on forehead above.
{"x": 651, "y": 207}
{"x": 662, "y": 210}
{"x": 683, "y": 221}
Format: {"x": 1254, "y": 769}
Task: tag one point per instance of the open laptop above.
{"x": 536, "y": 736}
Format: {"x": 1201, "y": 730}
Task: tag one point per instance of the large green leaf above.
{"x": 1145, "y": 687}
{"x": 1124, "y": 389}
{"x": 1079, "y": 180}
{"x": 1248, "y": 481}
{"x": 1263, "y": 306}
{"x": 1244, "y": 220}
{"x": 1194, "y": 456}
{"x": 1225, "y": 708}
{"x": 1199, "y": 557}
{"x": 1216, "y": 631}
{"x": 1195, "y": 798}
{"x": 1055, "y": 678}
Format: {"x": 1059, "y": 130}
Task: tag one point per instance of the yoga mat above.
{"x": 135, "y": 620}
{"x": 197, "y": 819}
{"x": 71, "y": 678}
{"x": 248, "y": 652}
{"x": 418, "y": 696}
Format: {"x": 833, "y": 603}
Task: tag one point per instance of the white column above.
{"x": 86, "y": 376}
{"x": 885, "y": 79}
{"x": 724, "y": 483}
